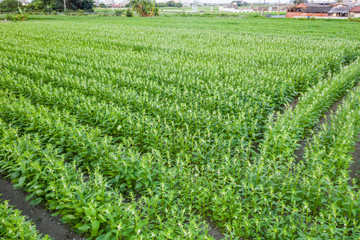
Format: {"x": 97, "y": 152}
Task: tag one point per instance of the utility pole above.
{"x": 263, "y": 10}
{"x": 195, "y": 6}
{"x": 278, "y": 8}
{"x": 259, "y": 6}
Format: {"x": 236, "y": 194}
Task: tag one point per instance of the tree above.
{"x": 154, "y": 10}
{"x": 170, "y": 4}
{"x": 144, "y": 8}
{"x": 140, "y": 6}
{"x": 9, "y": 6}
{"x": 300, "y": 1}
{"x": 58, "y": 5}
{"x": 36, "y": 5}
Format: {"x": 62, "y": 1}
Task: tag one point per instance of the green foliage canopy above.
{"x": 144, "y": 8}
{"x": 58, "y": 5}
{"x": 144, "y": 128}
{"x": 9, "y": 6}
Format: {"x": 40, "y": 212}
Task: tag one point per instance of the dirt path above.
{"x": 355, "y": 165}
{"x": 45, "y": 223}
{"x": 291, "y": 105}
{"x": 299, "y": 152}
{"x": 215, "y": 232}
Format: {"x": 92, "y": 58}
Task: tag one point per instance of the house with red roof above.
{"x": 309, "y": 10}
{"x": 354, "y": 12}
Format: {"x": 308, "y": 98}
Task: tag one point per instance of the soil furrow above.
{"x": 292, "y": 105}
{"x": 325, "y": 119}
{"x": 45, "y": 223}
{"x": 215, "y": 232}
{"x": 355, "y": 165}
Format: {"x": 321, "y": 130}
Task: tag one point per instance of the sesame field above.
{"x": 181, "y": 127}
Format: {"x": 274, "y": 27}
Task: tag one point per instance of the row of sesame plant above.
{"x": 80, "y": 144}
{"x": 119, "y": 169}
{"x": 139, "y": 118}
{"x": 86, "y": 201}
{"x": 151, "y": 86}
{"x": 27, "y": 113}
{"x": 15, "y": 226}
{"x": 296, "y": 123}
{"x": 283, "y": 200}
{"x": 62, "y": 132}
{"x": 331, "y": 198}
{"x": 259, "y": 195}
{"x": 141, "y": 130}
{"x": 170, "y": 104}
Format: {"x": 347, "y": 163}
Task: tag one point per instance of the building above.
{"x": 309, "y": 10}
{"x": 261, "y": 9}
{"x": 331, "y": 1}
{"x": 354, "y": 12}
{"x": 319, "y": 1}
{"x": 343, "y": 4}
{"x": 339, "y": 12}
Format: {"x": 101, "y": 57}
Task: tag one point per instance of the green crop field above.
{"x": 181, "y": 127}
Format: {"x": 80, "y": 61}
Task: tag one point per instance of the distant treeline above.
{"x": 58, "y": 5}
{"x": 47, "y": 5}
{"x": 170, "y": 4}
{"x": 163, "y": 4}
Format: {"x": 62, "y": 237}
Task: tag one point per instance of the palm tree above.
{"x": 142, "y": 7}
{"x": 154, "y": 10}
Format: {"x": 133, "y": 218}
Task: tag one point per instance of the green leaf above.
{"x": 36, "y": 201}
{"x": 94, "y": 228}
{"x": 109, "y": 236}
{"x": 20, "y": 183}
{"x": 28, "y": 197}
{"x": 138, "y": 185}
{"x": 71, "y": 217}
{"x": 84, "y": 227}
{"x": 79, "y": 210}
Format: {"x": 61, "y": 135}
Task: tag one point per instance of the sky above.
{"x": 229, "y": 1}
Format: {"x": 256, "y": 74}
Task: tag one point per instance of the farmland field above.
{"x": 183, "y": 127}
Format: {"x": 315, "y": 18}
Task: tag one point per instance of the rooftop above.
{"x": 340, "y": 10}
{"x": 317, "y": 9}
{"x": 355, "y": 9}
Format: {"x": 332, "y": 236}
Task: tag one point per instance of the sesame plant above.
{"x": 15, "y": 226}
{"x": 161, "y": 128}
{"x": 331, "y": 203}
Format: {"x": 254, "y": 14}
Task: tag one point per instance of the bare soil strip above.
{"x": 215, "y": 232}
{"x": 325, "y": 119}
{"x": 299, "y": 153}
{"x": 45, "y": 223}
{"x": 291, "y": 105}
{"x": 355, "y": 165}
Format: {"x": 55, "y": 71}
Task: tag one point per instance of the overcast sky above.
{"x": 229, "y": 1}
